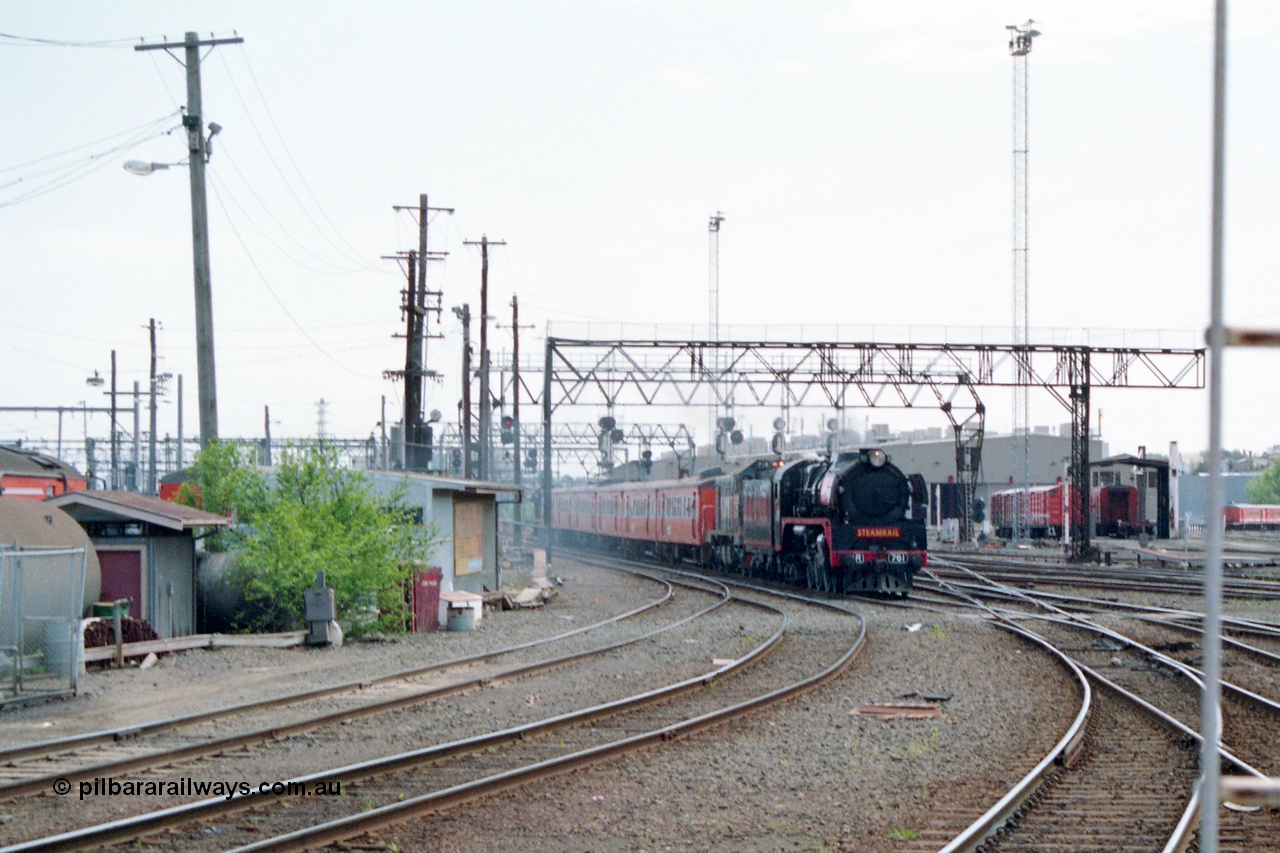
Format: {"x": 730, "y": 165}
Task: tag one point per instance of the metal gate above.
{"x": 41, "y": 602}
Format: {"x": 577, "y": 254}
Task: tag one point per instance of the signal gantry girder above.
{"x": 847, "y": 374}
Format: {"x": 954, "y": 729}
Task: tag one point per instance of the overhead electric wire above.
{"x": 249, "y": 185}
{"x": 353, "y": 258}
{"x": 75, "y": 171}
{"x": 44, "y": 354}
{"x": 164, "y": 81}
{"x": 289, "y": 154}
{"x": 144, "y": 126}
{"x": 62, "y": 333}
{"x": 30, "y": 41}
{"x": 274, "y": 295}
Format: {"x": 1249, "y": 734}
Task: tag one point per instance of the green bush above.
{"x": 1265, "y": 488}
{"x": 312, "y": 516}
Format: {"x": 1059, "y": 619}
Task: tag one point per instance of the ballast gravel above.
{"x": 806, "y": 775}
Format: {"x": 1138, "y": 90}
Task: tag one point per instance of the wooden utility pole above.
{"x": 464, "y": 314}
{"x": 418, "y": 305}
{"x": 266, "y": 432}
{"x": 151, "y": 442}
{"x": 198, "y": 148}
{"x": 413, "y": 346}
{"x": 515, "y": 405}
{"x": 486, "y": 407}
{"x": 115, "y": 429}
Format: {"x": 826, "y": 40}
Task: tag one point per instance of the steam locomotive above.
{"x": 852, "y": 522}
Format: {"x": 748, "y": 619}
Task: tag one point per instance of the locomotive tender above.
{"x": 855, "y": 523}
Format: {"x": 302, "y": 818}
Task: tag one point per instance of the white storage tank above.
{"x": 31, "y": 524}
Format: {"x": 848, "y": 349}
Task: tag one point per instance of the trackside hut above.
{"x": 147, "y": 550}
{"x": 465, "y": 514}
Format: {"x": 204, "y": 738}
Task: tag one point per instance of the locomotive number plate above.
{"x": 897, "y": 557}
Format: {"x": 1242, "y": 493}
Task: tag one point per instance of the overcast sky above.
{"x": 861, "y": 153}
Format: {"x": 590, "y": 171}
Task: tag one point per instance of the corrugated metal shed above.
{"x": 146, "y": 548}
{"x": 465, "y": 514}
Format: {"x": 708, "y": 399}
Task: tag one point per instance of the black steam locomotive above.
{"x": 852, "y": 523}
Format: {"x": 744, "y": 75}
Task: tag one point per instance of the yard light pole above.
{"x": 198, "y": 150}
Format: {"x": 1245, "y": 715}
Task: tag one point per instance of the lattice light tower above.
{"x": 719, "y": 405}
{"x": 1020, "y": 36}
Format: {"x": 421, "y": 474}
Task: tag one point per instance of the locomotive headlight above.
{"x": 877, "y": 457}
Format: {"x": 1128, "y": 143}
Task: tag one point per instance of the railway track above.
{"x": 456, "y": 771}
{"x": 1116, "y": 577}
{"x": 1133, "y": 786}
{"x": 33, "y": 767}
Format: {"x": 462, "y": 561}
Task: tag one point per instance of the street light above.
{"x": 96, "y": 381}
{"x": 200, "y": 255}
{"x": 198, "y": 155}
{"x": 143, "y": 167}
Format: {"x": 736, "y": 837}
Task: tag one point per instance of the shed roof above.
{"x": 448, "y": 484}
{"x": 1129, "y": 459}
{"x": 16, "y": 460}
{"x": 131, "y": 506}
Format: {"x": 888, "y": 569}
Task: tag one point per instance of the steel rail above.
{"x": 1168, "y": 616}
{"x": 1196, "y": 675}
{"x": 1153, "y": 582}
{"x": 141, "y": 825}
{"x": 46, "y": 747}
{"x": 1009, "y": 806}
{"x": 40, "y": 784}
{"x": 1187, "y": 826}
{"x": 1268, "y": 593}
{"x": 396, "y": 812}
{"x": 1188, "y": 823}
{"x": 1063, "y": 753}
{"x": 1238, "y": 645}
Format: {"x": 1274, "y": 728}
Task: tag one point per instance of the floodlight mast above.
{"x": 720, "y": 405}
{"x": 1020, "y": 36}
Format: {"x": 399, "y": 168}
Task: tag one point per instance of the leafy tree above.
{"x": 312, "y": 516}
{"x": 1229, "y": 456}
{"x": 224, "y": 481}
{"x": 1265, "y": 488}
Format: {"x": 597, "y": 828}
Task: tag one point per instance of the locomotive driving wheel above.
{"x": 815, "y": 564}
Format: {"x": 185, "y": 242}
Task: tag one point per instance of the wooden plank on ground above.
{"x": 197, "y": 641}
{"x": 265, "y": 641}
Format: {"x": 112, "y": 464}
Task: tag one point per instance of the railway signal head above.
{"x": 508, "y": 429}
{"x": 979, "y": 510}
